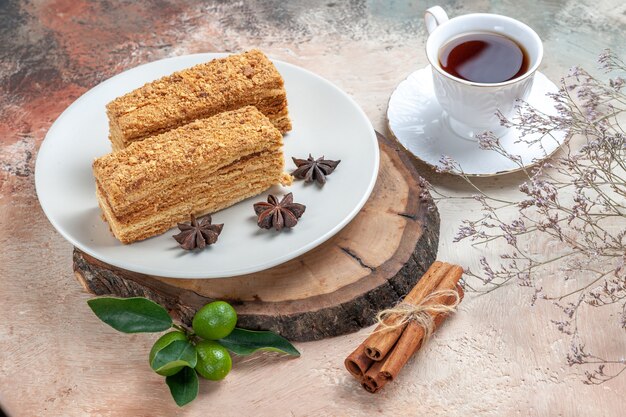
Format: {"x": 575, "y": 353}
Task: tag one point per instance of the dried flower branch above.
{"x": 574, "y": 203}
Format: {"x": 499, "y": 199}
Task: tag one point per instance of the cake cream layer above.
{"x": 198, "y": 168}
{"x": 206, "y": 89}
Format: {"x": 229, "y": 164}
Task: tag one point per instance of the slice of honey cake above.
{"x": 198, "y": 92}
{"x": 202, "y": 167}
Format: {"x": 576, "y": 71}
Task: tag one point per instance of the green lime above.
{"x": 215, "y": 320}
{"x": 214, "y": 361}
{"x": 163, "y": 341}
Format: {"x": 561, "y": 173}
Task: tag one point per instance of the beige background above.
{"x": 499, "y": 356}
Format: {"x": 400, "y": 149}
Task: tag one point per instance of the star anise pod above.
{"x": 198, "y": 234}
{"x": 312, "y": 169}
{"x": 278, "y": 214}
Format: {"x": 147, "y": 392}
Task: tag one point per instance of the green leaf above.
{"x": 245, "y": 342}
{"x": 178, "y": 353}
{"x": 183, "y": 386}
{"x": 131, "y": 315}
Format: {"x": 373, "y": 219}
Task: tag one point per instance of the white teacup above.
{"x": 471, "y": 107}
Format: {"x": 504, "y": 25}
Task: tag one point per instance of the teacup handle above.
{"x": 434, "y": 17}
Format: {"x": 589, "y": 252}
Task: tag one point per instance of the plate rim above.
{"x": 45, "y": 144}
{"x": 465, "y": 174}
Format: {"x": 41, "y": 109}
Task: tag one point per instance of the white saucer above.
{"x": 418, "y": 122}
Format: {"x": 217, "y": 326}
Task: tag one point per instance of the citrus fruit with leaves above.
{"x": 215, "y": 320}
{"x": 176, "y": 355}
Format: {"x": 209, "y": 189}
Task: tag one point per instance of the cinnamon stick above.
{"x": 379, "y": 343}
{"x": 373, "y": 380}
{"x": 358, "y": 362}
{"x": 409, "y": 342}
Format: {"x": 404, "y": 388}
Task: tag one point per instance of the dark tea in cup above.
{"x": 483, "y": 57}
{"x": 482, "y": 64}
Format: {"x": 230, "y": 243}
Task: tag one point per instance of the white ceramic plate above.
{"x": 417, "y": 120}
{"x": 326, "y": 121}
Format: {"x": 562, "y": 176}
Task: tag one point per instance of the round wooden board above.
{"x": 334, "y": 289}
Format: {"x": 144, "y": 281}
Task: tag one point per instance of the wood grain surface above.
{"x": 499, "y": 356}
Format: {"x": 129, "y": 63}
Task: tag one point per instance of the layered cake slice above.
{"x": 202, "y": 167}
{"x": 204, "y": 90}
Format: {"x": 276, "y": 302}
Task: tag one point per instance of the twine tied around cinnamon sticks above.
{"x": 421, "y": 313}
{"x": 403, "y": 329}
